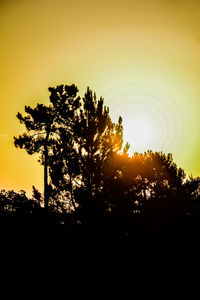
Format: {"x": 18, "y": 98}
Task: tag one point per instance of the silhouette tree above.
{"x": 43, "y": 125}
{"x": 99, "y": 139}
{"x": 146, "y": 184}
{"x": 12, "y": 202}
{"x": 93, "y": 180}
{"x": 192, "y": 193}
{"x": 77, "y": 166}
{"x": 74, "y": 140}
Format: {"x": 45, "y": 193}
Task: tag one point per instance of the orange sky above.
{"x": 141, "y": 56}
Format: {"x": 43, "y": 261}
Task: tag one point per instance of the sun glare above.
{"x": 140, "y": 132}
{"x": 154, "y": 114}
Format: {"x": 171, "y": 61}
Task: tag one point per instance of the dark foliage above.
{"x": 96, "y": 191}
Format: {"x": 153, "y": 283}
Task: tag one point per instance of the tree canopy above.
{"x": 90, "y": 177}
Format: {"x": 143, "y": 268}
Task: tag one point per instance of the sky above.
{"x": 142, "y": 57}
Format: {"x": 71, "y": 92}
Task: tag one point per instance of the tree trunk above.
{"x": 46, "y": 158}
{"x": 71, "y": 192}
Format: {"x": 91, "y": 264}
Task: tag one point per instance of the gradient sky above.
{"x": 142, "y": 56}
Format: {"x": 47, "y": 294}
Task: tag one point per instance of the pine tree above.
{"x": 44, "y": 125}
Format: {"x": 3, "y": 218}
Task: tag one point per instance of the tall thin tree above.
{"x": 43, "y": 124}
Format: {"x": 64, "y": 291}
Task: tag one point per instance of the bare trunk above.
{"x": 71, "y": 192}
{"x": 46, "y": 158}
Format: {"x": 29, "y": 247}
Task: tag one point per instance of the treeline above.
{"x": 92, "y": 187}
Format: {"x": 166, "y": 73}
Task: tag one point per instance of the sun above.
{"x": 140, "y": 133}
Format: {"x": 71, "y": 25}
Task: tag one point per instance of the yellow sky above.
{"x": 142, "y": 56}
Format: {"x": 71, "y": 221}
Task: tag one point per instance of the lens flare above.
{"x": 154, "y": 116}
